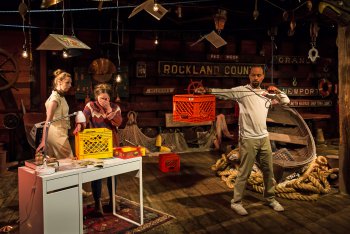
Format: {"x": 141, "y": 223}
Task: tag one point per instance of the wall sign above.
{"x": 310, "y": 103}
{"x": 284, "y": 59}
{"x": 299, "y": 91}
{"x": 141, "y": 70}
{"x": 227, "y": 57}
{"x": 158, "y": 91}
{"x": 202, "y": 69}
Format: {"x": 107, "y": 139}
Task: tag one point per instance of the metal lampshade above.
{"x": 80, "y": 117}
{"x": 60, "y": 42}
{"x": 48, "y": 3}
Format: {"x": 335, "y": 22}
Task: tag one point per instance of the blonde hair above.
{"x": 59, "y": 76}
{"x": 102, "y": 88}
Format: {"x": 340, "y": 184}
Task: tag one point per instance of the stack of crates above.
{"x": 169, "y": 162}
{"x": 191, "y": 108}
{"x": 94, "y": 143}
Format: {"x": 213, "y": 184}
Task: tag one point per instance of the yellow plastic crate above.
{"x": 94, "y": 143}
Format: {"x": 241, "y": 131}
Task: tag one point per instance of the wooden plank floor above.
{"x": 200, "y": 201}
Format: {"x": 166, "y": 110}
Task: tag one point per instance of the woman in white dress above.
{"x": 57, "y": 144}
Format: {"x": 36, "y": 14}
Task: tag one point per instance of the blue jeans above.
{"x": 96, "y": 187}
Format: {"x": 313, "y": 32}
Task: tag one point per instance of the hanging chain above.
{"x": 313, "y": 52}
{"x": 313, "y": 33}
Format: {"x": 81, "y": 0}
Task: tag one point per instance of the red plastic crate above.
{"x": 191, "y": 108}
{"x": 169, "y": 162}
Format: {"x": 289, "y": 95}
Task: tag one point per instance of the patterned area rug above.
{"x": 129, "y": 209}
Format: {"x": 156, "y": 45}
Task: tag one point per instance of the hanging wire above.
{"x": 109, "y": 8}
{"x": 63, "y": 18}
{"x": 118, "y": 33}
{"x": 72, "y": 23}
{"x": 272, "y": 47}
{"x": 24, "y": 32}
{"x": 31, "y": 75}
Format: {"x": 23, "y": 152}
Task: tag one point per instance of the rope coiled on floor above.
{"x": 307, "y": 187}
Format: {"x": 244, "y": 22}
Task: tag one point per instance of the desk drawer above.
{"x": 110, "y": 171}
{"x": 62, "y": 183}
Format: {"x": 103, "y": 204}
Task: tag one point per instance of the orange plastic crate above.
{"x": 191, "y": 108}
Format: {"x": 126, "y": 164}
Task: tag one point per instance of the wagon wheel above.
{"x": 193, "y": 86}
{"x": 8, "y": 70}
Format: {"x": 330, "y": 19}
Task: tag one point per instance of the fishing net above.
{"x": 175, "y": 140}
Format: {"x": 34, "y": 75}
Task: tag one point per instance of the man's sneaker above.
{"x": 239, "y": 209}
{"x": 275, "y": 205}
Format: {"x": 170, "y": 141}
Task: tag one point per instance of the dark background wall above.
{"x": 246, "y": 38}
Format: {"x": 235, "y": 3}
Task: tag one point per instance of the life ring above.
{"x": 325, "y": 87}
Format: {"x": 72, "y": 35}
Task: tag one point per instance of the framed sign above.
{"x": 310, "y": 103}
{"x": 158, "y": 91}
{"x": 141, "y": 69}
{"x": 300, "y": 91}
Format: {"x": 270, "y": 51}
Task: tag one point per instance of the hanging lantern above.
{"x": 285, "y": 15}
{"x": 220, "y": 20}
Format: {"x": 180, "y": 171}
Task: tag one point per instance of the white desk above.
{"x": 53, "y": 203}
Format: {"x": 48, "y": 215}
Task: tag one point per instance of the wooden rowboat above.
{"x": 292, "y": 142}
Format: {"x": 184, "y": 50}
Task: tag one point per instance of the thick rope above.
{"x": 307, "y": 187}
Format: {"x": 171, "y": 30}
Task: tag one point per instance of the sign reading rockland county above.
{"x": 298, "y": 91}
{"x": 202, "y": 69}
{"x": 310, "y": 103}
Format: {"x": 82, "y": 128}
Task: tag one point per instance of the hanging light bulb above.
{"x": 285, "y": 15}
{"x": 309, "y": 5}
{"x": 292, "y": 24}
{"x": 65, "y": 54}
{"x": 24, "y": 52}
{"x": 155, "y": 6}
{"x": 117, "y": 99}
{"x": 256, "y": 12}
{"x": 179, "y": 11}
{"x": 118, "y": 79}
{"x": 156, "y": 42}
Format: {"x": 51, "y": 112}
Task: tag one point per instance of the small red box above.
{"x": 169, "y": 162}
{"x": 127, "y": 152}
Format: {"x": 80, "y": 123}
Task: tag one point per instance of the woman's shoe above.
{"x": 109, "y": 207}
{"x": 98, "y": 211}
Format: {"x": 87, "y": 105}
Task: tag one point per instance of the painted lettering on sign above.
{"x": 310, "y": 103}
{"x": 158, "y": 91}
{"x": 230, "y": 57}
{"x": 298, "y": 91}
{"x": 193, "y": 69}
{"x": 281, "y": 59}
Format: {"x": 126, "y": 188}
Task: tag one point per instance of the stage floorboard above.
{"x": 200, "y": 201}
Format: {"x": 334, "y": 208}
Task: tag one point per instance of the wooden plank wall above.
{"x": 344, "y": 106}
{"x": 12, "y": 43}
{"x": 139, "y": 48}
